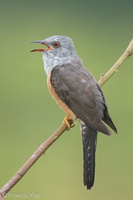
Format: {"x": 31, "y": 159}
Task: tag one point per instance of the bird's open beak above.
{"x": 41, "y": 42}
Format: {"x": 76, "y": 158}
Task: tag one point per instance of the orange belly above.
{"x": 69, "y": 114}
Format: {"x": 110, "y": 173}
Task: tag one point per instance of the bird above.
{"x": 78, "y": 94}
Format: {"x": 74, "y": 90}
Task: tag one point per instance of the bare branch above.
{"x": 43, "y": 147}
{"x": 128, "y": 52}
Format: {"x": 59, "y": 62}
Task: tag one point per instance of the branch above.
{"x": 128, "y": 52}
{"x": 43, "y": 147}
{"x": 36, "y": 155}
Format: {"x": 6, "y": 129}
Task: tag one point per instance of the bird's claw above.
{"x": 69, "y": 123}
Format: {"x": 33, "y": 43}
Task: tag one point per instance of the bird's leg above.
{"x": 68, "y": 122}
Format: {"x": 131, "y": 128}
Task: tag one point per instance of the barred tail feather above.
{"x": 89, "y": 140}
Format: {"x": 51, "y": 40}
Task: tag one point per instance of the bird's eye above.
{"x": 56, "y": 44}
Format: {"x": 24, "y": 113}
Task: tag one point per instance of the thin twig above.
{"x": 128, "y": 52}
{"x": 43, "y": 147}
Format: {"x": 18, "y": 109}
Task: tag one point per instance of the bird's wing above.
{"x": 76, "y": 87}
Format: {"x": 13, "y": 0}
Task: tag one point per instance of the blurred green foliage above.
{"x": 101, "y": 30}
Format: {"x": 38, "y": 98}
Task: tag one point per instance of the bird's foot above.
{"x": 69, "y": 123}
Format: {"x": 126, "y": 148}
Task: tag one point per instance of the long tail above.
{"x": 89, "y": 140}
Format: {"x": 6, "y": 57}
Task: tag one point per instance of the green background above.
{"x": 101, "y": 30}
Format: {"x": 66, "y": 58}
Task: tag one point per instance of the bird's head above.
{"x": 60, "y": 46}
{"x": 58, "y": 50}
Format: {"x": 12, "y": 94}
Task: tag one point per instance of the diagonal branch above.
{"x": 128, "y": 52}
{"x": 43, "y": 147}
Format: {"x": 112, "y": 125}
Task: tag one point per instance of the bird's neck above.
{"x": 50, "y": 63}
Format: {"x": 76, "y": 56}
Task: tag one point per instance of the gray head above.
{"x": 59, "y": 49}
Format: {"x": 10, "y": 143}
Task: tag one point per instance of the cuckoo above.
{"x": 77, "y": 92}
